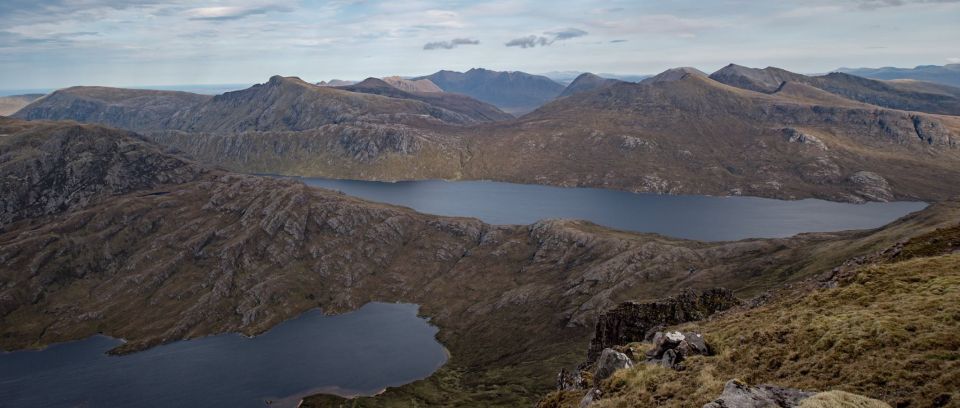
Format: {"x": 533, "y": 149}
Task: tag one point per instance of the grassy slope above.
{"x": 889, "y": 331}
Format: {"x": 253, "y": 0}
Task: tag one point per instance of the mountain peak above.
{"x": 674, "y": 74}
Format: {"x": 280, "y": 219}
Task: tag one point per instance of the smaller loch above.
{"x": 357, "y": 353}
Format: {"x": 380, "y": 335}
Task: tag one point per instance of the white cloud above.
{"x": 954, "y": 60}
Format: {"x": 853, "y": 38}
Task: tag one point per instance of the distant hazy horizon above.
{"x": 214, "y": 89}
{"x": 58, "y": 43}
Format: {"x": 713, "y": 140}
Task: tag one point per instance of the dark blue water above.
{"x": 362, "y": 352}
{"x": 681, "y": 216}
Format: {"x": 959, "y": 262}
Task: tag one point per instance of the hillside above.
{"x": 125, "y": 108}
{"x": 942, "y": 74}
{"x": 909, "y": 96}
{"x": 11, "y": 104}
{"x": 513, "y": 92}
{"x": 882, "y": 326}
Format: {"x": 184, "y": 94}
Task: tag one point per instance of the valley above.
{"x": 479, "y": 204}
{"x": 104, "y": 232}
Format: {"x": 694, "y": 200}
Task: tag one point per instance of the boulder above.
{"x": 609, "y": 362}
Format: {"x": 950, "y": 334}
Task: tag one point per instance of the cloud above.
{"x": 876, "y": 4}
{"x": 954, "y": 60}
{"x": 449, "y": 45}
{"x": 232, "y": 13}
{"x": 566, "y": 34}
{"x": 13, "y": 40}
{"x": 617, "y": 41}
{"x": 528, "y": 42}
{"x": 548, "y": 38}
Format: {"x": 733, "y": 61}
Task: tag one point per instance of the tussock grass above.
{"x": 840, "y": 399}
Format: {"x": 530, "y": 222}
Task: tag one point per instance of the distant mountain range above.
{"x": 942, "y": 74}
{"x": 513, "y": 92}
{"x": 762, "y": 132}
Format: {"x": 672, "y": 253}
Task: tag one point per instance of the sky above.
{"x": 58, "y": 43}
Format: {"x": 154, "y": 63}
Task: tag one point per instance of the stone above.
{"x": 737, "y": 394}
{"x": 610, "y": 361}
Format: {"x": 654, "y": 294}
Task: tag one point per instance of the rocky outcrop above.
{"x": 796, "y": 136}
{"x": 871, "y": 186}
{"x": 737, "y": 394}
{"x": 630, "y": 322}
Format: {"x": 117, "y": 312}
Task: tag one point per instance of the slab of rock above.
{"x": 737, "y": 394}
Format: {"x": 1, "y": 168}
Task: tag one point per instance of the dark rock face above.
{"x": 629, "y": 322}
{"x": 737, "y": 394}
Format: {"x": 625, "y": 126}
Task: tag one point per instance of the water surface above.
{"x": 682, "y": 216}
{"x": 357, "y": 353}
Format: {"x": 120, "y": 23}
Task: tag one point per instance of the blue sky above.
{"x": 57, "y": 43}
